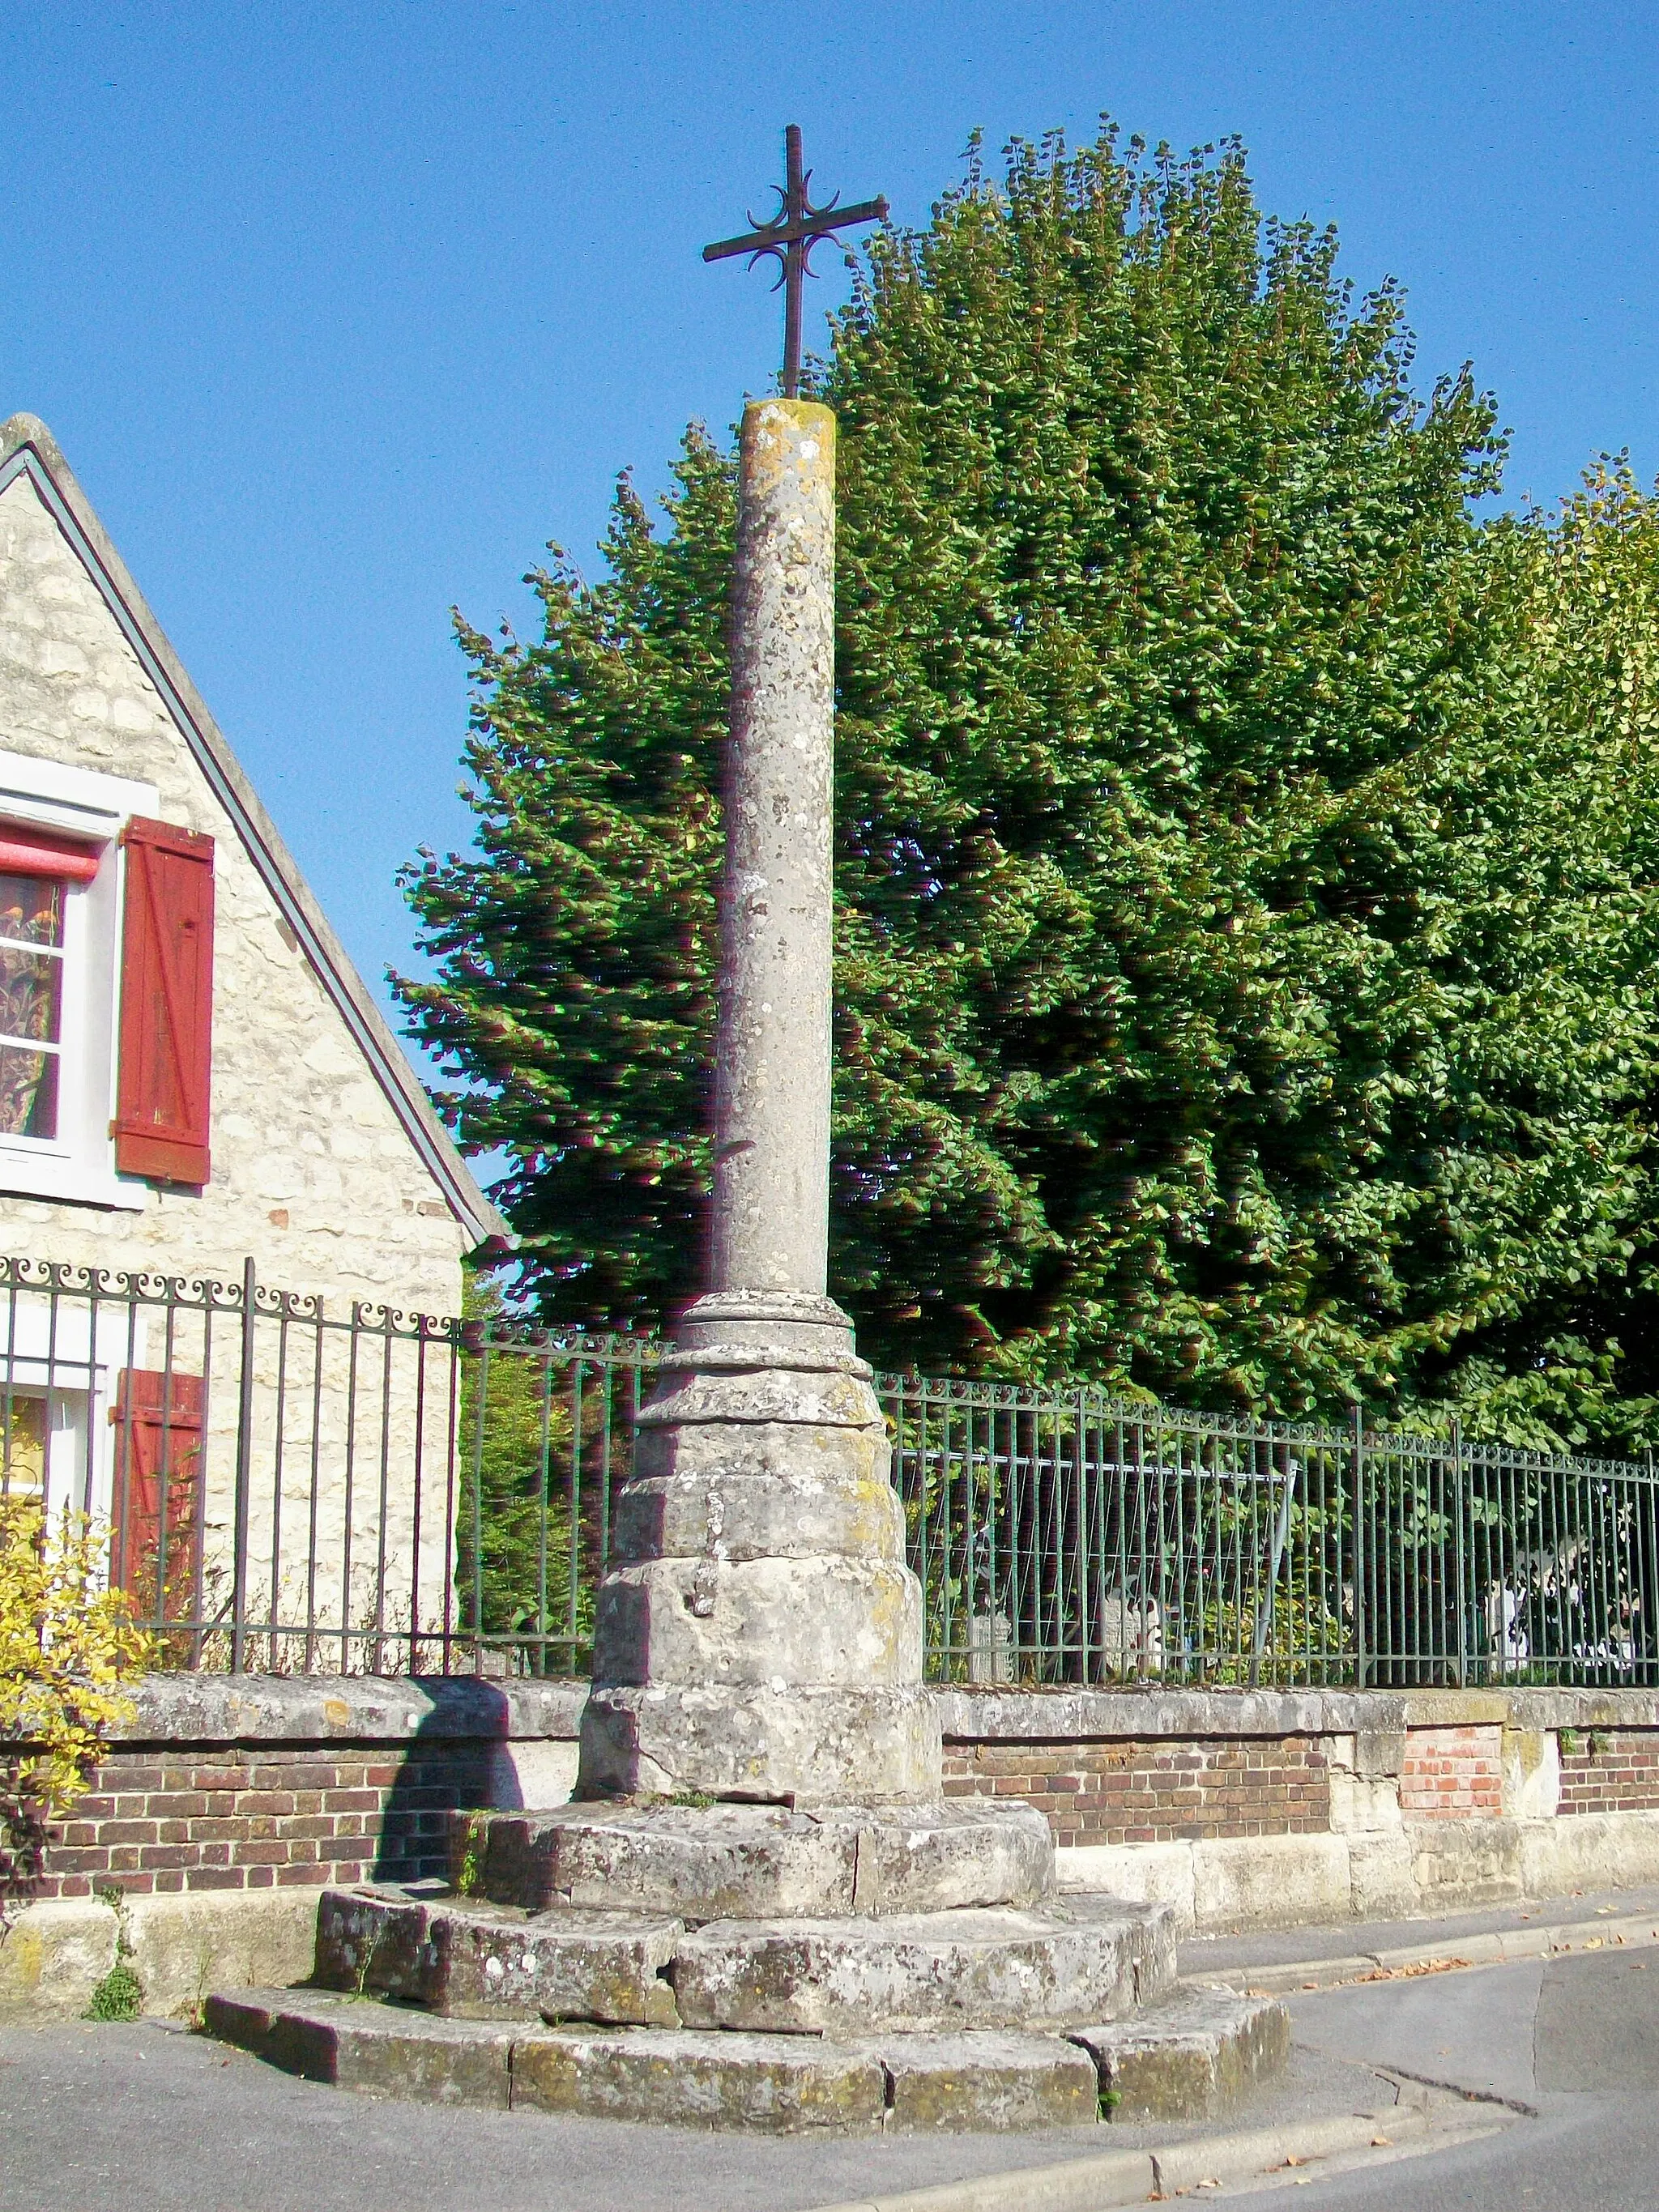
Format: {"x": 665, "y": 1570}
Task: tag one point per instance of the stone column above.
{"x": 760, "y": 1636}
{"x": 770, "y": 1219}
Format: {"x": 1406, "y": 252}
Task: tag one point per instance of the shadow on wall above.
{"x": 459, "y": 1759}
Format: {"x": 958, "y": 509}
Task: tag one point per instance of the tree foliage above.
{"x": 1243, "y": 941}
{"x": 519, "y": 1562}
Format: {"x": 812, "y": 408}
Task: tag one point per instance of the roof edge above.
{"x": 27, "y": 445}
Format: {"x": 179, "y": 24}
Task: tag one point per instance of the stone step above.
{"x": 1069, "y": 1963}
{"x": 1194, "y": 2056}
{"x": 1188, "y": 2058}
{"x": 473, "y": 1961}
{"x": 1073, "y": 1961}
{"x": 358, "y": 2043}
{"x": 768, "y": 2084}
{"x": 760, "y": 1861}
{"x": 988, "y": 2081}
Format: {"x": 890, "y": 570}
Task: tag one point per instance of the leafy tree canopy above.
{"x": 1243, "y": 942}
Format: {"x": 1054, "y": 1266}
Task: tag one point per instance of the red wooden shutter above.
{"x": 167, "y": 1004}
{"x": 157, "y": 1417}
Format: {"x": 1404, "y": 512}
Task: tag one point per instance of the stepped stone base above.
{"x": 485, "y": 1961}
{"x": 751, "y": 1967}
{"x": 1079, "y": 1959}
{"x": 355, "y": 2045}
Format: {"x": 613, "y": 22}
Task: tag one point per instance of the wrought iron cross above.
{"x": 789, "y": 238}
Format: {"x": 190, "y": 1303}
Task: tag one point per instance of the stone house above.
{"x": 194, "y": 1080}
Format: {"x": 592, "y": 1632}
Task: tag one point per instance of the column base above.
{"x": 792, "y": 1744}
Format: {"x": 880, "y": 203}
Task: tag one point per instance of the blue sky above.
{"x": 341, "y": 313}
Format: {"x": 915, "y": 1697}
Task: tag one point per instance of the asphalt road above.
{"x": 149, "y": 2118}
{"x": 1576, "y": 2038}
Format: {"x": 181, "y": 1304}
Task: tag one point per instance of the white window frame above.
{"x": 78, "y": 1163}
{"x": 59, "y": 1354}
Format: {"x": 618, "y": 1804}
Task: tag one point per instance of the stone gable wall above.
{"x": 311, "y": 1173}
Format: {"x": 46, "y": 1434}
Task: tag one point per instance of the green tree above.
{"x": 1230, "y": 1004}
{"x": 1578, "y": 1360}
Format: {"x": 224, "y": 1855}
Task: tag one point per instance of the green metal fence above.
{"x": 1062, "y": 1536}
{"x": 291, "y": 1488}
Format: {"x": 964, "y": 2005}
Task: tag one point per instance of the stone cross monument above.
{"x": 761, "y": 1912}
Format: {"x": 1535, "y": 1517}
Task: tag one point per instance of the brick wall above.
{"x": 191, "y": 1816}
{"x": 1610, "y": 1770}
{"x": 1127, "y": 1792}
{"x": 1453, "y": 1774}
{"x": 249, "y": 1782}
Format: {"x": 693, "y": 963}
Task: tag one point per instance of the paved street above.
{"x": 149, "y": 2118}
{"x": 1578, "y": 2038}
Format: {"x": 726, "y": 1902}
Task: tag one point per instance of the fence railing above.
{"x": 289, "y": 1487}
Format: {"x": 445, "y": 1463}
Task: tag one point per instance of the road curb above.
{"x": 1500, "y": 1947}
{"x": 1131, "y": 2177}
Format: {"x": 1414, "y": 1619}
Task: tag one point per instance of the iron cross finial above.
{"x": 789, "y": 238}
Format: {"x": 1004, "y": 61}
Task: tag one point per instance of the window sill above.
{"x": 67, "y": 1179}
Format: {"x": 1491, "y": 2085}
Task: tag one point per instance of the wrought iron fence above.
{"x": 291, "y": 1488}
{"x": 1063, "y": 1536}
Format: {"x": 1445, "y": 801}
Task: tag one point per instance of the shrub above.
{"x": 68, "y": 1647}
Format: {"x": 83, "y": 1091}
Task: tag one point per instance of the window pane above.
{"x": 28, "y": 1093}
{"x": 30, "y": 994}
{"x": 23, "y": 1450}
{"x": 32, "y": 907}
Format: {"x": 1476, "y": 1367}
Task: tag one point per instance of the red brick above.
{"x": 176, "y": 1804}
{"x": 127, "y": 1831}
{"x": 312, "y": 1876}
{"x": 258, "y": 1854}
{"x": 214, "y": 1829}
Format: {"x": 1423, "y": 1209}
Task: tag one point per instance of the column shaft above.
{"x": 769, "y": 1222}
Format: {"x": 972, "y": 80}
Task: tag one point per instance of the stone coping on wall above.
{"x": 1011, "y": 1714}
{"x": 252, "y": 1709}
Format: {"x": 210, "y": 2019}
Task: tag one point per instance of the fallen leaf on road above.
{"x": 1410, "y": 1973}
